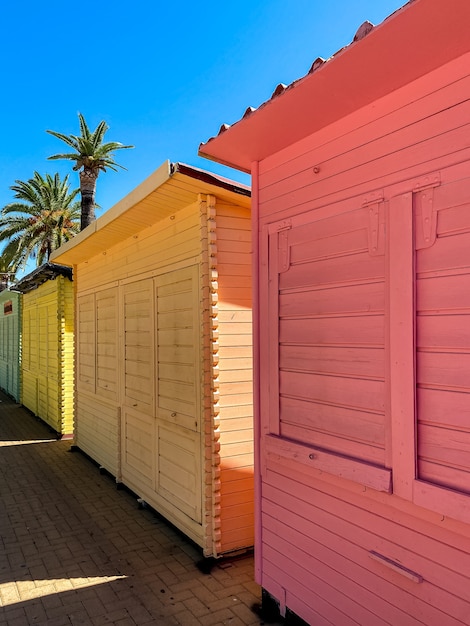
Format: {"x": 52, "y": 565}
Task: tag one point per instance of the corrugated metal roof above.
{"x": 43, "y": 273}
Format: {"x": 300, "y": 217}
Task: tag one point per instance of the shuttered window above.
{"x": 96, "y": 337}
{"x": 366, "y": 374}
{"x": 327, "y": 343}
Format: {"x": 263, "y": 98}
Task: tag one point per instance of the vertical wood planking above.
{"x": 402, "y": 344}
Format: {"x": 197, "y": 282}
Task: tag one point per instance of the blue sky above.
{"x": 163, "y": 75}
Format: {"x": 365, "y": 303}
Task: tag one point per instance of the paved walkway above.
{"x": 75, "y": 550}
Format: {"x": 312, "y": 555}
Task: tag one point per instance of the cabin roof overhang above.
{"x": 169, "y": 189}
{"x": 416, "y": 39}
{"x": 43, "y": 273}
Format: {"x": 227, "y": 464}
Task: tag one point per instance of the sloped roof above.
{"x": 413, "y": 41}
{"x": 170, "y": 188}
{"x": 43, "y": 273}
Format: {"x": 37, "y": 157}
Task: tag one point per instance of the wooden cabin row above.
{"x": 159, "y": 389}
{"x": 361, "y": 333}
{"x": 361, "y": 237}
{"x": 36, "y": 345}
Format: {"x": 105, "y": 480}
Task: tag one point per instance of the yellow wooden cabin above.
{"x": 163, "y": 338}
{"x": 47, "y": 345}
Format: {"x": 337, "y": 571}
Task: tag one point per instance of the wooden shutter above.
{"x": 106, "y": 343}
{"x": 178, "y": 339}
{"x": 326, "y": 343}
{"x": 139, "y": 341}
{"x": 179, "y": 395}
{"x": 85, "y": 340}
{"x": 443, "y": 336}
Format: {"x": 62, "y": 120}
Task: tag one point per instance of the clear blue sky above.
{"x": 164, "y": 75}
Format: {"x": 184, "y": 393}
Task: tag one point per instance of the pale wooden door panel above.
{"x": 139, "y": 336}
{"x": 179, "y": 469}
{"x": 106, "y": 343}
{"x": 85, "y": 338}
{"x": 178, "y": 347}
{"x": 138, "y": 449}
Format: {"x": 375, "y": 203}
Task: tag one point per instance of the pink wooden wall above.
{"x": 364, "y": 362}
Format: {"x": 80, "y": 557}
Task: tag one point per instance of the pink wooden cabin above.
{"x": 361, "y": 205}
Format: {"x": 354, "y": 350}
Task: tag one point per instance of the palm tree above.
{"x": 45, "y": 216}
{"x": 91, "y": 156}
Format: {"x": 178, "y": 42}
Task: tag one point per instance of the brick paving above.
{"x": 76, "y": 550}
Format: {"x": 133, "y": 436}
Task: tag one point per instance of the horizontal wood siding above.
{"x": 169, "y": 242}
{"x": 409, "y": 133}
{"x": 47, "y": 345}
{"x": 235, "y": 377}
{"x": 334, "y": 549}
{"x": 97, "y": 430}
{"x": 67, "y": 346}
{"x": 138, "y": 366}
{"x": 142, "y": 332}
{"x": 10, "y": 325}
{"x": 98, "y": 422}
{"x": 443, "y": 342}
{"x": 318, "y": 540}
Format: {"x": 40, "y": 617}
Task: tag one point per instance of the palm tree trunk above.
{"x": 87, "y": 190}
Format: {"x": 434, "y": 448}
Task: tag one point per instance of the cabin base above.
{"x": 269, "y": 612}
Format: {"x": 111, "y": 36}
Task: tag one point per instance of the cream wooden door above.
{"x": 178, "y": 390}
{"x": 161, "y": 398}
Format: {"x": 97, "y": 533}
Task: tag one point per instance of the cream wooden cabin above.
{"x": 163, "y": 337}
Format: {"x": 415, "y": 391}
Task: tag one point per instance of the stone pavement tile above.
{"x": 87, "y": 555}
{"x": 245, "y": 614}
{"x": 35, "y": 613}
{"x": 197, "y": 607}
{"x": 186, "y": 618}
{"x": 13, "y": 615}
{"x": 217, "y": 617}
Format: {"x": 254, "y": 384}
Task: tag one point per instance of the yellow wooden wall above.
{"x": 148, "y": 381}
{"x": 47, "y": 353}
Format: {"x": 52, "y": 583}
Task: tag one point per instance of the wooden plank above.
{"x": 362, "y": 362}
{"x": 353, "y": 448}
{"x": 445, "y": 294}
{"x": 402, "y": 341}
{"x": 357, "y": 267}
{"x": 447, "y": 333}
{"x": 354, "y": 424}
{"x": 443, "y": 371}
{"x": 445, "y": 501}
{"x": 369, "y": 475}
{"x": 348, "y": 392}
{"x": 367, "y": 297}
{"x": 344, "y": 330}
{"x": 447, "y": 447}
